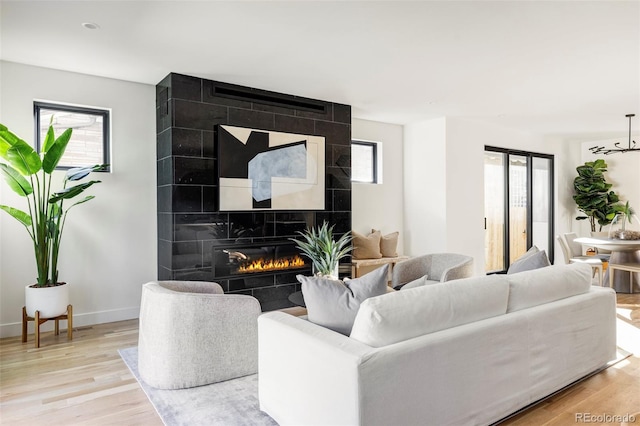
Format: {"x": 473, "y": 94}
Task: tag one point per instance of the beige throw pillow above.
{"x": 366, "y": 247}
{"x": 388, "y": 244}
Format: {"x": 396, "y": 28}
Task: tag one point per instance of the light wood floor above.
{"x": 84, "y": 382}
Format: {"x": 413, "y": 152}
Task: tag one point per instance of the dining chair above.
{"x": 569, "y": 257}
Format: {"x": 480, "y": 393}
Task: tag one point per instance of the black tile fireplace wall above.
{"x": 190, "y": 224}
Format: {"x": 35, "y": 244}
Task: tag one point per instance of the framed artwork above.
{"x": 266, "y": 170}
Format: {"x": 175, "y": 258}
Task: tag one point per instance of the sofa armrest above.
{"x": 307, "y": 371}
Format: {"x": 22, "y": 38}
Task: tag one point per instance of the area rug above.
{"x": 230, "y": 403}
{"x": 235, "y": 402}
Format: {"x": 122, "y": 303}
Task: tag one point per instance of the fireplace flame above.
{"x": 261, "y": 265}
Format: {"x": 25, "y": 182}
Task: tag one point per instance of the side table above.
{"x": 38, "y": 321}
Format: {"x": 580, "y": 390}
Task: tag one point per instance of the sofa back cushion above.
{"x": 536, "y": 287}
{"x": 402, "y": 315}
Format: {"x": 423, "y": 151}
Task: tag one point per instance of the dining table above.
{"x": 622, "y": 251}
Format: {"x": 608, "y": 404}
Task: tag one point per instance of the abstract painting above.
{"x": 266, "y": 170}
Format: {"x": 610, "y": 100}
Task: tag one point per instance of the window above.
{"x": 89, "y": 142}
{"x": 364, "y": 162}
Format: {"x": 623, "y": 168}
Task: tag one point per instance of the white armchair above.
{"x": 438, "y": 267}
{"x": 192, "y": 334}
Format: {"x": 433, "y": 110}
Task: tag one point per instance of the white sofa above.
{"x": 465, "y": 352}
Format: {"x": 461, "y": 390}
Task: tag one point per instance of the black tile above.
{"x": 337, "y": 178}
{"x": 187, "y": 198}
{"x": 340, "y": 156}
{"x": 164, "y": 199}
{"x": 272, "y": 298}
{"x": 251, "y": 119}
{"x": 290, "y": 277}
{"x": 165, "y": 226}
{"x": 288, "y": 124}
{"x": 208, "y": 144}
{"x": 207, "y": 225}
{"x": 341, "y": 221}
{"x": 194, "y": 171}
{"x": 202, "y": 274}
{"x": 164, "y": 171}
{"x": 336, "y": 133}
{"x": 164, "y": 113}
{"x": 342, "y": 113}
{"x": 186, "y": 87}
{"x": 256, "y": 106}
{"x": 197, "y": 115}
{"x": 246, "y": 226}
{"x": 164, "y": 254}
{"x": 164, "y": 274}
{"x": 341, "y": 200}
{"x": 186, "y": 255}
{"x": 163, "y": 146}
{"x": 210, "y": 198}
{"x": 186, "y": 142}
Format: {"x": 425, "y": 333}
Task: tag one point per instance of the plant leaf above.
{"x": 56, "y": 151}
{"x": 21, "y": 216}
{"x": 23, "y": 158}
{"x": 71, "y": 192}
{"x": 49, "y": 139}
{"x": 78, "y": 173}
{"x": 15, "y": 180}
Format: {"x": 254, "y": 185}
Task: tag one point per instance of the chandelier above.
{"x": 618, "y": 148}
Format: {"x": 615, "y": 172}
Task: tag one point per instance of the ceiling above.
{"x": 558, "y": 68}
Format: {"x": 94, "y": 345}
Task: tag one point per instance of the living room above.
{"x": 432, "y": 193}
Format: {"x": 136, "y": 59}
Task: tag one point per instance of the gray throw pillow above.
{"x": 532, "y": 259}
{"x": 334, "y": 304}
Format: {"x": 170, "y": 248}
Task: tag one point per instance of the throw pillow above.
{"x": 388, "y": 244}
{"x": 334, "y": 304}
{"x": 532, "y": 259}
{"x": 366, "y": 247}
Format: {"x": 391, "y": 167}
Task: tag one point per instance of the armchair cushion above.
{"x": 334, "y": 304}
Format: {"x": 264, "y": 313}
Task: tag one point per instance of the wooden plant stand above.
{"x": 38, "y": 321}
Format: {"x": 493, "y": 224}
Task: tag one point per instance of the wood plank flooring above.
{"x": 85, "y": 382}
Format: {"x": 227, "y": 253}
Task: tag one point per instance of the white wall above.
{"x": 623, "y": 172}
{"x": 379, "y": 206}
{"x": 109, "y": 246}
{"x": 425, "y": 187}
{"x": 444, "y": 184}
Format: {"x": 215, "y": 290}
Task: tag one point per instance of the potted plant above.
{"x": 324, "y": 252}
{"x": 593, "y": 196}
{"x": 624, "y": 219}
{"x": 30, "y": 175}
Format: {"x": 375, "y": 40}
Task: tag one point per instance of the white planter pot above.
{"x": 50, "y": 301}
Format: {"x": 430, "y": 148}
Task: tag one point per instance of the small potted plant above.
{"x": 30, "y": 175}
{"x": 325, "y": 253}
{"x": 625, "y": 219}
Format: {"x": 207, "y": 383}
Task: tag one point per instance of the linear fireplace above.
{"x": 253, "y": 260}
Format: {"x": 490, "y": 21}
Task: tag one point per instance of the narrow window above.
{"x": 89, "y": 142}
{"x": 364, "y": 162}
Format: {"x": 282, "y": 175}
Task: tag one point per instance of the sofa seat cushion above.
{"x": 402, "y": 315}
{"x": 334, "y": 304}
{"x": 536, "y": 287}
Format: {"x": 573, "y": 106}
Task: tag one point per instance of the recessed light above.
{"x": 90, "y": 25}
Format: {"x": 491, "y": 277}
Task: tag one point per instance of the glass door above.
{"x": 518, "y": 190}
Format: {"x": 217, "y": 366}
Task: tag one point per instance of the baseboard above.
{"x": 79, "y": 320}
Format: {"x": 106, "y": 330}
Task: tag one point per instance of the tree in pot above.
{"x": 324, "y": 252}
{"x": 593, "y": 196}
{"x": 30, "y": 174}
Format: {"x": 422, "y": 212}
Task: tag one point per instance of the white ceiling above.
{"x": 563, "y": 68}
